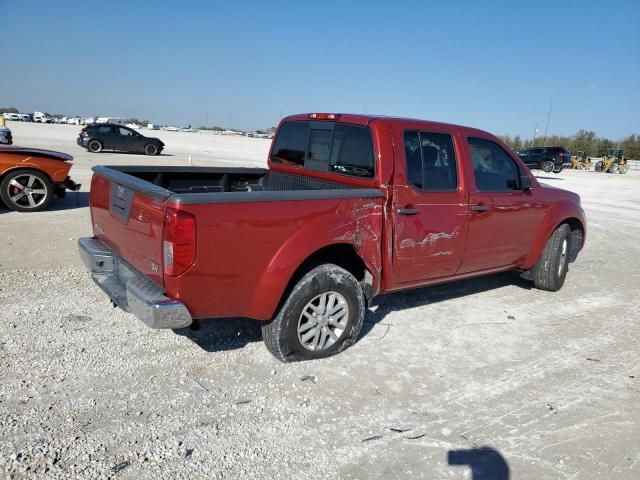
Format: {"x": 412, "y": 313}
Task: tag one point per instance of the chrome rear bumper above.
{"x": 131, "y": 290}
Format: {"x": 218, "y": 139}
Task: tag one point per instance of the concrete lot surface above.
{"x": 482, "y": 379}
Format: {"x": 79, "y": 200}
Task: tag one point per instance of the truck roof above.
{"x": 361, "y": 119}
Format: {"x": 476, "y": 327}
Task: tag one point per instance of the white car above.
{"x": 11, "y": 116}
{"x": 5, "y": 136}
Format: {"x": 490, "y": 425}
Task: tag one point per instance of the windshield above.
{"x": 325, "y": 146}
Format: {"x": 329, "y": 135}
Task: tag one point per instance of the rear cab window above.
{"x": 430, "y": 161}
{"x": 333, "y": 147}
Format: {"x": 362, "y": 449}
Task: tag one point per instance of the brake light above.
{"x": 83, "y": 133}
{"x": 324, "y": 116}
{"x": 178, "y": 242}
{"x": 562, "y": 154}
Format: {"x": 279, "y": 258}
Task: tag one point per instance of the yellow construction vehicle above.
{"x": 613, "y": 162}
{"x": 580, "y": 161}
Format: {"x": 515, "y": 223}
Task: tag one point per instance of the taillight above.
{"x": 562, "y": 154}
{"x": 178, "y": 242}
{"x": 83, "y": 133}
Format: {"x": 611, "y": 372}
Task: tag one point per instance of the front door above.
{"x": 429, "y": 208}
{"x": 503, "y": 218}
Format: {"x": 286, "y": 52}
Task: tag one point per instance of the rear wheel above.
{"x": 580, "y": 166}
{"x": 547, "y": 166}
{"x": 599, "y": 167}
{"x": 26, "y": 191}
{"x": 552, "y": 266}
{"x": 94, "y": 146}
{"x": 623, "y": 168}
{"x": 150, "y": 149}
{"x": 322, "y": 316}
{"x": 613, "y": 168}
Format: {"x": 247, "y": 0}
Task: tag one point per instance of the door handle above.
{"x": 479, "y": 207}
{"x": 407, "y": 211}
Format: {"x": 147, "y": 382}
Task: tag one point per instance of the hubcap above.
{"x": 323, "y": 321}
{"x": 27, "y": 191}
{"x": 563, "y": 257}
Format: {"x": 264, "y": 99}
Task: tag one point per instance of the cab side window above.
{"x": 494, "y": 169}
{"x": 431, "y": 161}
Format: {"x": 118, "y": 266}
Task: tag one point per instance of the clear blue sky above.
{"x": 495, "y": 65}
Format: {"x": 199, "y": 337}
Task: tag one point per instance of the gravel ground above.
{"x": 549, "y": 382}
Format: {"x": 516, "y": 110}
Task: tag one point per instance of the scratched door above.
{"x": 429, "y": 209}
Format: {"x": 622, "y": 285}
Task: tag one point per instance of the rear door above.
{"x": 429, "y": 207}
{"x": 503, "y": 219}
{"x": 106, "y": 134}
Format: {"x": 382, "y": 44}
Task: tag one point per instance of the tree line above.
{"x": 585, "y": 140}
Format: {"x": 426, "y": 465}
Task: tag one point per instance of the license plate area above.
{"x": 120, "y": 200}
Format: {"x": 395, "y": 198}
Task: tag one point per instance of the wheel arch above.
{"x": 578, "y": 236}
{"x": 4, "y": 174}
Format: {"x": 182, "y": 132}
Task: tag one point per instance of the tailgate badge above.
{"x": 155, "y": 268}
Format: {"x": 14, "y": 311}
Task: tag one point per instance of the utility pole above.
{"x": 535, "y": 130}
{"x": 545, "y": 128}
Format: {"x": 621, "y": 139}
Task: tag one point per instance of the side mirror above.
{"x": 525, "y": 183}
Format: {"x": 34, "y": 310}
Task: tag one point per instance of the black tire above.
{"x": 41, "y": 196}
{"x": 613, "y": 168}
{"x": 94, "y": 146}
{"x": 623, "y": 168}
{"x": 150, "y": 149}
{"x": 552, "y": 266}
{"x": 547, "y": 166}
{"x": 598, "y": 167}
{"x": 281, "y": 335}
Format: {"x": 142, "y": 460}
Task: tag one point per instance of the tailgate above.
{"x": 128, "y": 216}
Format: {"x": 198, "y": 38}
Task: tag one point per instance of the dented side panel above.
{"x": 247, "y": 253}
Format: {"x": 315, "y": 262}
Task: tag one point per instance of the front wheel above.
{"x": 150, "y": 149}
{"x": 322, "y": 316}
{"x": 623, "y": 168}
{"x": 552, "y": 266}
{"x": 26, "y": 191}
{"x": 598, "y": 167}
{"x": 547, "y": 166}
{"x": 613, "y": 168}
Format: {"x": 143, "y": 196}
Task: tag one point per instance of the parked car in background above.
{"x": 24, "y": 117}
{"x": 547, "y": 159}
{"x": 351, "y": 206}
{"x": 5, "y": 135}
{"x": 14, "y": 117}
{"x": 106, "y": 136}
{"x": 75, "y": 121}
{"x": 30, "y": 177}
{"x": 40, "y": 117}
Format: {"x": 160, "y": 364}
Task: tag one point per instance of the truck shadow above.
{"x": 418, "y": 297}
{"x": 214, "y": 335}
{"x": 221, "y": 334}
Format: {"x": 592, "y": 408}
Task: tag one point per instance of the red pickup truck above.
{"x": 351, "y": 206}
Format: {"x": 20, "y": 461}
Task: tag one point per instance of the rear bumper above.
{"x": 131, "y": 290}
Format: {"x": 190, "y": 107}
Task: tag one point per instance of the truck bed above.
{"x": 187, "y": 185}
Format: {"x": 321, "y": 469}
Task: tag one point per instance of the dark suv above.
{"x": 107, "y": 136}
{"x": 547, "y": 159}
